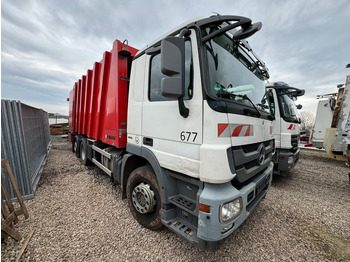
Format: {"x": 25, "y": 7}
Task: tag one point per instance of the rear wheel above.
{"x": 76, "y": 147}
{"x": 73, "y": 145}
{"x": 83, "y": 153}
{"x": 144, "y": 198}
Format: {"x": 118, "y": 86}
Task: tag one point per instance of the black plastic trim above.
{"x": 243, "y": 161}
{"x": 235, "y": 108}
{"x": 148, "y": 141}
{"x": 243, "y": 21}
{"x": 297, "y": 92}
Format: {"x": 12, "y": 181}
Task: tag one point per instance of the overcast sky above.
{"x": 47, "y": 45}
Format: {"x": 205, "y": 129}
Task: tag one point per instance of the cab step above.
{"x": 183, "y": 203}
{"x": 183, "y": 229}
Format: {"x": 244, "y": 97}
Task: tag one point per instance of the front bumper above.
{"x": 285, "y": 160}
{"x": 213, "y": 195}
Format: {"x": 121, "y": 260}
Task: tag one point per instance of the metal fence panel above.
{"x": 25, "y": 142}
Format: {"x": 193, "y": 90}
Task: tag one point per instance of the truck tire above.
{"x": 76, "y": 147}
{"x": 83, "y": 153}
{"x": 143, "y": 197}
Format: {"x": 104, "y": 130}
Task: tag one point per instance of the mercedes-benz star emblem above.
{"x": 261, "y": 150}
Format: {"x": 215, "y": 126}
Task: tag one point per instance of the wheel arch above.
{"x": 140, "y": 157}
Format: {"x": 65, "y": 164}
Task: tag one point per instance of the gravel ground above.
{"x": 78, "y": 215}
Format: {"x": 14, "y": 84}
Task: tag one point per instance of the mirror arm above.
{"x": 185, "y": 32}
{"x": 184, "y": 111}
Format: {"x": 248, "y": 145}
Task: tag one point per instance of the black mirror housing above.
{"x": 173, "y": 66}
{"x": 171, "y": 87}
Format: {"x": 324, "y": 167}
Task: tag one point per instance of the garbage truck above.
{"x": 286, "y": 130}
{"x": 180, "y": 127}
{"x": 337, "y": 136}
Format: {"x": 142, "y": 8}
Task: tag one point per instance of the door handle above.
{"x": 148, "y": 141}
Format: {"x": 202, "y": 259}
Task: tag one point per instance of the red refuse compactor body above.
{"x": 98, "y": 101}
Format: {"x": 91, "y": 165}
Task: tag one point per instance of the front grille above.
{"x": 260, "y": 189}
{"x": 294, "y": 142}
{"x": 245, "y": 161}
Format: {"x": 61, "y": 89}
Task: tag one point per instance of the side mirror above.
{"x": 173, "y": 66}
{"x": 247, "y": 31}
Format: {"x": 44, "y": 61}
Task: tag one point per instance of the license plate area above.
{"x": 262, "y": 185}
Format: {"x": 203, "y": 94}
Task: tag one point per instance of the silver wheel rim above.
{"x": 143, "y": 198}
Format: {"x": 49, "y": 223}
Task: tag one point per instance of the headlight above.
{"x": 290, "y": 160}
{"x": 230, "y": 210}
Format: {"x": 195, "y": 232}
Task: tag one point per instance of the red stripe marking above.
{"x": 248, "y": 131}
{"x": 290, "y": 127}
{"x": 221, "y": 128}
{"x": 237, "y": 130}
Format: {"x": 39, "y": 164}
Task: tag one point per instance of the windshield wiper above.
{"x": 225, "y": 94}
{"x": 271, "y": 117}
{"x": 252, "y": 103}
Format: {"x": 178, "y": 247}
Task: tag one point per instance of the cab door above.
{"x": 274, "y": 105}
{"x": 174, "y": 140}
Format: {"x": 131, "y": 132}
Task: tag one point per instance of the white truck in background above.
{"x": 337, "y": 137}
{"x": 286, "y": 130}
{"x": 323, "y": 120}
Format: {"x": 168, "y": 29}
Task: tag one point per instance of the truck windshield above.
{"x": 234, "y": 76}
{"x": 288, "y": 108}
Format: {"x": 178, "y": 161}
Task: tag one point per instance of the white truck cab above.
{"x": 286, "y": 130}
{"x": 194, "y": 115}
{"x": 199, "y": 143}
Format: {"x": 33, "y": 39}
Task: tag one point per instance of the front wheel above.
{"x": 144, "y": 198}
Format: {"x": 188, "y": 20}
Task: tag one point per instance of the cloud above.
{"x": 48, "y": 45}
{"x": 305, "y": 45}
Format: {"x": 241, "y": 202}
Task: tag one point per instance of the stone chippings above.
{"x": 78, "y": 215}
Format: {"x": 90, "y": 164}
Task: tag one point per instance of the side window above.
{"x": 156, "y": 75}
